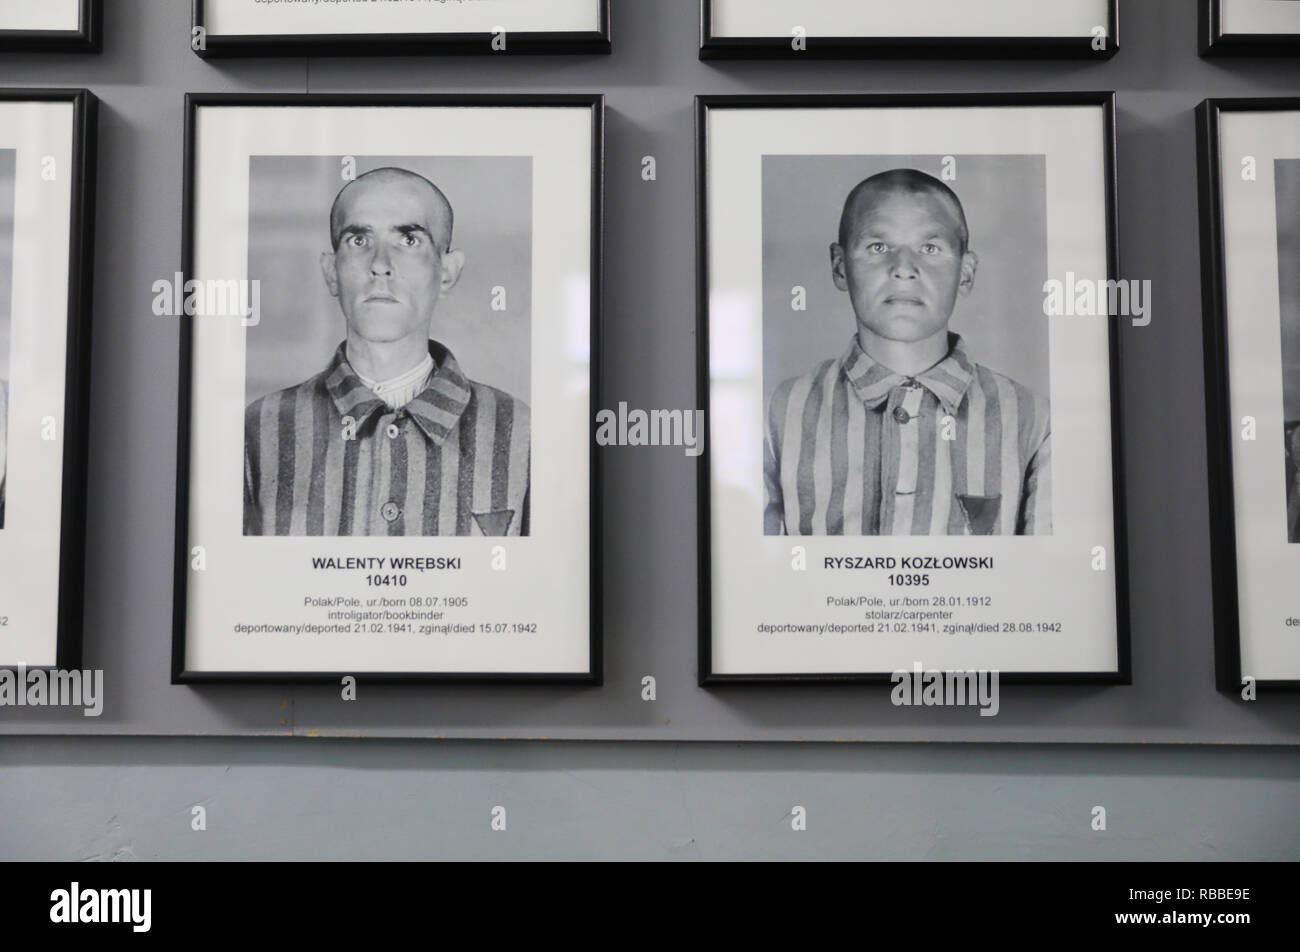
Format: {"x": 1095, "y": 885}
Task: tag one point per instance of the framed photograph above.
{"x": 1249, "y": 27}
{"x": 51, "y": 26}
{"x": 911, "y": 381}
{"x": 47, "y": 201}
{"x": 844, "y": 29}
{"x": 1250, "y": 272}
{"x": 389, "y": 357}
{"x": 388, "y": 27}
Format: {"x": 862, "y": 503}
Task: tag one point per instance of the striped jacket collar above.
{"x": 436, "y": 409}
{"x": 948, "y": 380}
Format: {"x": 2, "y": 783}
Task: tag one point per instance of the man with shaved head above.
{"x": 391, "y": 438}
{"x": 903, "y": 434}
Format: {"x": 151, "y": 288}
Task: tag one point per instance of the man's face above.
{"x": 903, "y": 265}
{"x": 392, "y": 262}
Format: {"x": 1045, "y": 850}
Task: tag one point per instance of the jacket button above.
{"x": 901, "y": 415}
{"x": 393, "y": 431}
{"x": 390, "y": 511}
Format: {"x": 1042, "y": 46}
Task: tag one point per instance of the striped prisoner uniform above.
{"x": 853, "y": 448}
{"x": 328, "y": 457}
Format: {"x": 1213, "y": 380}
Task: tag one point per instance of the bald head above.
{"x": 392, "y": 260}
{"x": 912, "y": 182}
{"x": 427, "y": 201}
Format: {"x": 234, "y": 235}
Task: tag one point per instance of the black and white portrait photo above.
{"x": 393, "y": 429}
{"x": 70, "y": 26}
{"x": 796, "y": 29}
{"x": 383, "y": 27}
{"x": 389, "y": 328}
{"x": 1248, "y": 27}
{"x": 912, "y": 369}
{"x": 47, "y": 172}
{"x": 907, "y": 372}
{"x": 1287, "y": 176}
{"x": 1250, "y": 245}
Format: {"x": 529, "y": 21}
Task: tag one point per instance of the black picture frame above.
{"x": 87, "y": 38}
{"x": 594, "y": 676}
{"x": 1219, "y": 424}
{"x": 597, "y": 42}
{"x": 703, "y": 104}
{"x": 1212, "y": 41}
{"x": 76, "y": 389}
{"x": 991, "y": 47}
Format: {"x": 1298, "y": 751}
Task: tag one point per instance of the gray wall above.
{"x": 71, "y": 799}
{"x": 129, "y": 797}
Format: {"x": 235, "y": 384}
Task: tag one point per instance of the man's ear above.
{"x": 837, "y": 267}
{"x": 330, "y": 272}
{"x": 453, "y": 262}
{"x": 970, "y": 262}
